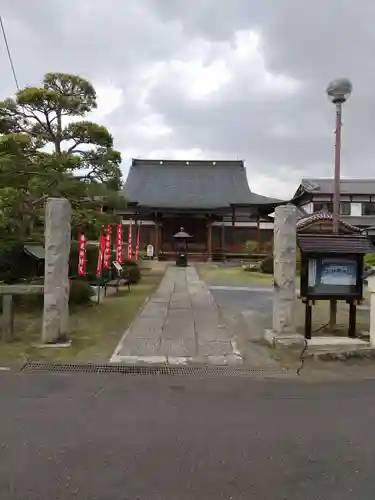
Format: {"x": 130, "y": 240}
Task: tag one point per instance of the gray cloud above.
{"x": 144, "y": 47}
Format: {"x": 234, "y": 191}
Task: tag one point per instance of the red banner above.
{"x": 137, "y": 241}
{"x": 130, "y": 242}
{"x": 99, "y": 266}
{"x": 81, "y": 254}
{"x": 119, "y": 243}
{"x": 107, "y": 248}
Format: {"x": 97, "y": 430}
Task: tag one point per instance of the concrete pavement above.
{"x": 110, "y": 437}
{"x": 180, "y": 324}
{"x": 248, "y": 312}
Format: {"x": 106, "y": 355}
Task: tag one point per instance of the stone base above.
{"x": 329, "y": 348}
{"x": 57, "y": 345}
{"x": 323, "y": 348}
{"x": 327, "y": 343}
{"x": 354, "y": 354}
{"x": 283, "y": 340}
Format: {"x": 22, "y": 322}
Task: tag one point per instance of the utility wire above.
{"x": 9, "y": 53}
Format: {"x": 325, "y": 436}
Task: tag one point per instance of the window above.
{"x": 325, "y": 206}
{"x": 368, "y": 208}
{"x": 345, "y": 208}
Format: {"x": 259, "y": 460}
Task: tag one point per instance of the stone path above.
{"x": 180, "y": 324}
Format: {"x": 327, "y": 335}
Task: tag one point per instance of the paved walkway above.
{"x": 180, "y": 324}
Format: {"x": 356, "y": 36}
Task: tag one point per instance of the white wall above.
{"x": 356, "y": 209}
{"x": 308, "y": 208}
{"x": 262, "y": 225}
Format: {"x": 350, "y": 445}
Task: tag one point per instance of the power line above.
{"x": 9, "y": 54}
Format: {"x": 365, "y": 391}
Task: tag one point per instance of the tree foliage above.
{"x": 47, "y": 150}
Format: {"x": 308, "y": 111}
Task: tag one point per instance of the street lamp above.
{"x": 338, "y": 92}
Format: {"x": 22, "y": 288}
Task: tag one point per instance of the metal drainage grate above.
{"x": 154, "y": 370}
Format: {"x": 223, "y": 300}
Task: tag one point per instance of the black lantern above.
{"x": 181, "y": 239}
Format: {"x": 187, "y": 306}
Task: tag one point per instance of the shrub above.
{"x": 266, "y": 265}
{"x": 250, "y": 246}
{"x": 134, "y": 274}
{"x": 80, "y": 292}
{"x": 29, "y": 302}
{"x": 370, "y": 260}
{"x": 267, "y": 246}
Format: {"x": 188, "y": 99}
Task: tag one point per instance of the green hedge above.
{"x": 80, "y": 293}
{"x": 134, "y": 274}
{"x": 266, "y": 265}
{"x": 370, "y": 260}
{"x": 250, "y": 246}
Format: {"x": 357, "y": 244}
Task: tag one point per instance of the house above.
{"x": 357, "y": 200}
{"x": 211, "y": 200}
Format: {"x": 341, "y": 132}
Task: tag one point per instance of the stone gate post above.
{"x": 56, "y": 275}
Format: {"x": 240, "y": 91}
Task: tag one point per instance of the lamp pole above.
{"x": 338, "y": 92}
{"x": 337, "y": 174}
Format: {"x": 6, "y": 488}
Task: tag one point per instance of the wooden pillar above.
{"x": 258, "y": 233}
{"x": 160, "y": 234}
{"x": 209, "y": 238}
{"x": 233, "y": 238}
{"x": 156, "y": 236}
{"x": 352, "y": 320}
{"x": 308, "y": 319}
{"x": 223, "y": 238}
{"x": 137, "y": 244}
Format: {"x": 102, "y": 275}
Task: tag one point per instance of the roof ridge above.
{"x": 182, "y": 163}
{"x": 323, "y": 216}
{"x": 345, "y": 179}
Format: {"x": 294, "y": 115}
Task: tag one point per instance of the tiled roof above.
{"x": 363, "y": 221}
{"x": 347, "y": 186}
{"x": 335, "y": 243}
{"x": 324, "y": 216}
{"x": 36, "y": 251}
{"x": 190, "y": 184}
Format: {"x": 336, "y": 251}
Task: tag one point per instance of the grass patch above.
{"x": 232, "y": 275}
{"x": 95, "y": 329}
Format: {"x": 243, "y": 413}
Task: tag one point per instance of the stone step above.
{"x": 335, "y": 344}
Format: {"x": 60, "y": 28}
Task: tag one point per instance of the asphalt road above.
{"x": 114, "y": 437}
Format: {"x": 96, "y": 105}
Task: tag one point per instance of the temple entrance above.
{"x": 196, "y": 226}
